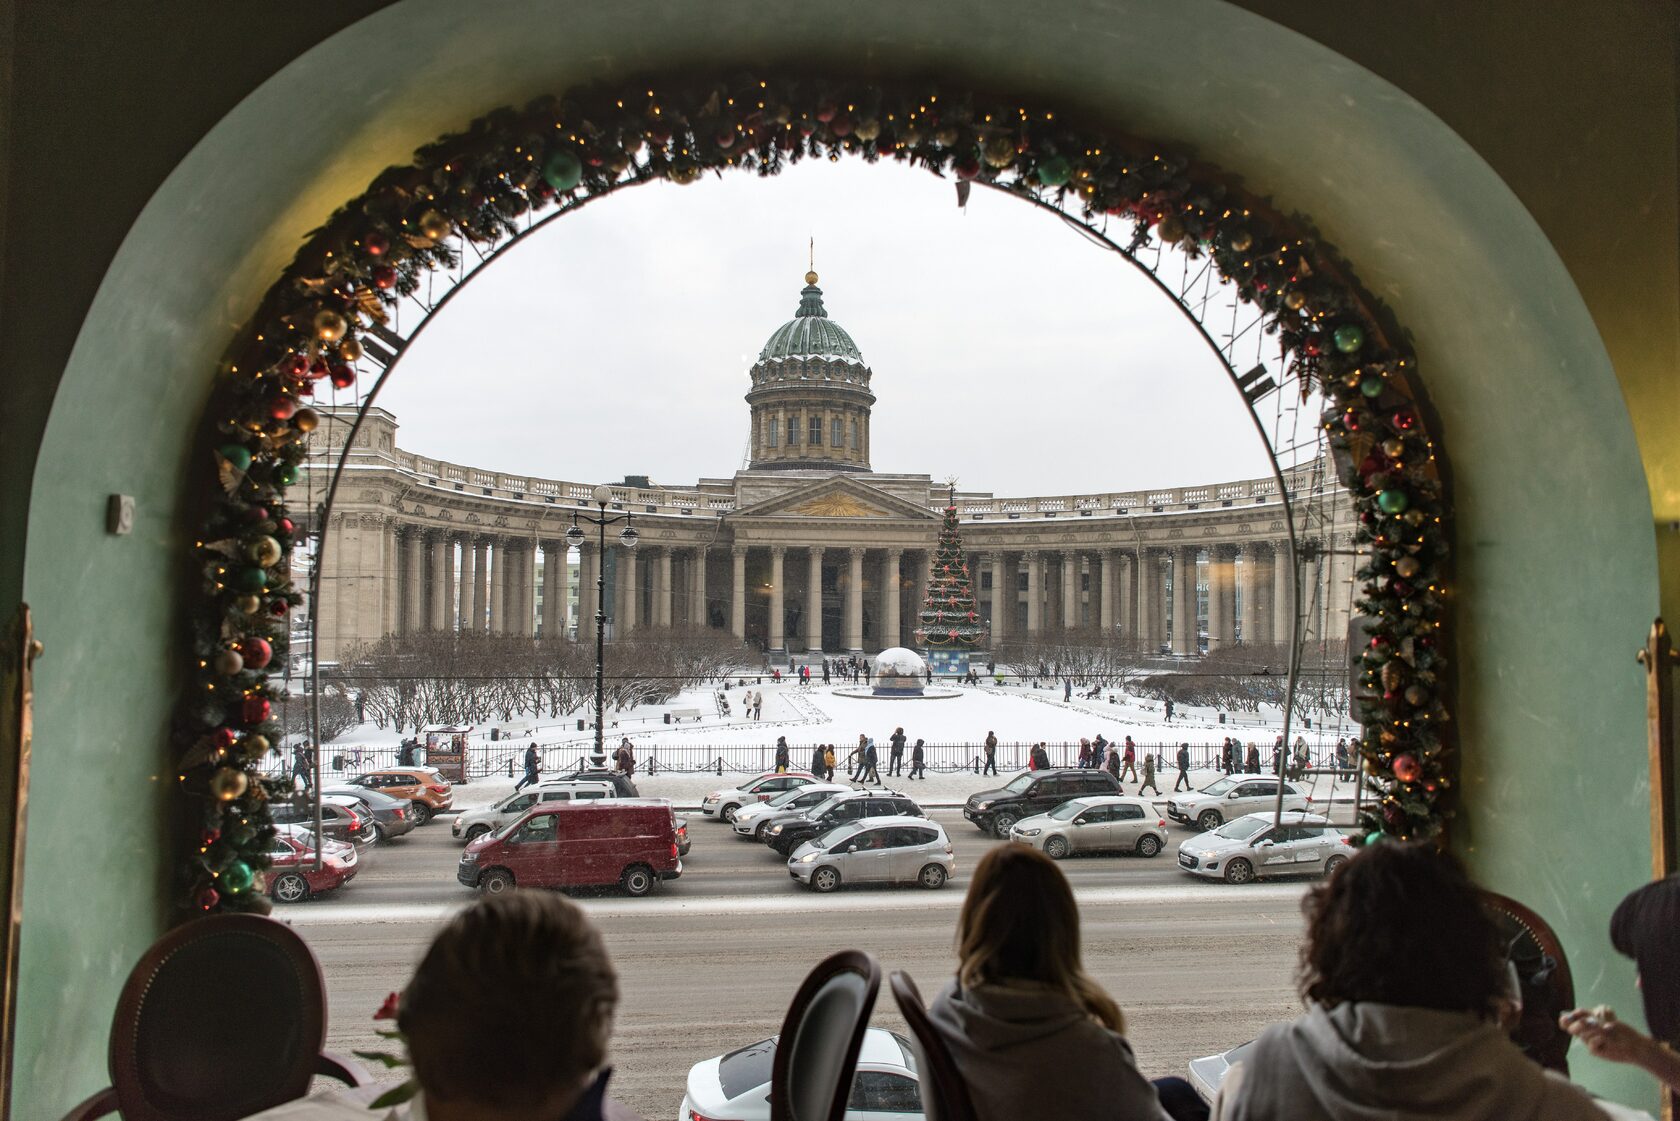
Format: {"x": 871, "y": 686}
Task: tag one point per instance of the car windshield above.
{"x": 746, "y": 1069}
{"x": 1219, "y": 787}
{"x": 1019, "y": 783}
{"x": 785, "y": 797}
{"x": 823, "y": 806}
{"x": 1066, "y": 810}
{"x": 838, "y": 834}
{"x": 1242, "y": 829}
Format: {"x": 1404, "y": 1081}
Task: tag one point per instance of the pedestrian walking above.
{"x": 1253, "y": 767}
{"x": 1084, "y": 753}
{"x": 828, "y": 763}
{"x": 1148, "y": 781}
{"x": 758, "y": 705}
{"x": 303, "y": 767}
{"x": 1040, "y": 757}
{"x": 866, "y": 673}
{"x": 1128, "y": 760}
{"x": 855, "y": 763}
{"x": 1343, "y": 774}
{"x": 817, "y": 764}
{"x": 625, "y": 757}
{"x": 1114, "y": 764}
{"x": 825, "y": 671}
{"x": 895, "y": 757}
{"x": 991, "y": 754}
{"x": 783, "y": 764}
{"x": 871, "y": 760}
{"x": 918, "y": 759}
{"x": 1067, "y": 689}
{"x": 1303, "y": 758}
{"x": 1183, "y": 782}
{"x": 533, "y": 766}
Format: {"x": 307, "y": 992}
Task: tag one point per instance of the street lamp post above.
{"x": 628, "y": 538}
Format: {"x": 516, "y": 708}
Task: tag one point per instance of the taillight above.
{"x": 438, "y": 789}
{"x": 1346, "y": 840}
{"x": 402, "y": 814}
{"x": 1162, "y": 824}
{"x": 674, "y": 852}
{"x": 696, "y": 1115}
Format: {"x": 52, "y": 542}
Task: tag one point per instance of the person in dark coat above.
{"x": 1129, "y": 759}
{"x": 1343, "y": 774}
{"x": 1040, "y": 757}
{"x": 1183, "y": 782}
{"x": 895, "y": 757}
{"x": 1114, "y": 764}
{"x": 1253, "y": 759}
{"x": 817, "y": 760}
{"x": 625, "y": 757}
{"x": 871, "y": 760}
{"x": 991, "y": 754}
{"x": 917, "y": 761}
{"x": 783, "y": 765}
{"x": 533, "y": 766}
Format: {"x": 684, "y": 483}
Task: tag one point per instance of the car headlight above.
{"x": 469, "y": 858}
{"x": 982, "y": 805}
{"x": 808, "y": 858}
{"x": 1029, "y": 832}
{"x": 774, "y": 829}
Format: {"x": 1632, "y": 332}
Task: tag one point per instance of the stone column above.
{"x": 414, "y": 583}
{"x": 1125, "y": 596}
{"x": 854, "y": 602}
{"x": 516, "y": 617}
{"x": 697, "y": 614}
{"x": 778, "y": 623}
{"x": 1070, "y": 591}
{"x": 1105, "y": 603}
{"x": 1312, "y": 600}
{"x": 1341, "y": 591}
{"x": 1035, "y": 580}
{"x": 813, "y": 600}
{"x": 738, "y": 591}
{"x": 496, "y": 554}
{"x": 629, "y": 592}
{"x": 481, "y": 585}
{"x": 1283, "y": 595}
{"x": 449, "y": 593}
{"x": 889, "y": 599}
{"x": 470, "y": 550}
{"x": 554, "y": 591}
{"x": 1255, "y": 575}
{"x": 1184, "y": 623}
{"x": 1003, "y": 597}
{"x": 1222, "y": 597}
{"x": 662, "y": 607}
{"x": 1148, "y": 613}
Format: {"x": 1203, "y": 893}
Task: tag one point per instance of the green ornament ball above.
{"x": 1375, "y": 837}
{"x": 1054, "y": 171}
{"x": 1371, "y": 386}
{"x": 563, "y": 170}
{"x": 286, "y": 475}
{"x": 237, "y": 454}
{"x": 1348, "y": 338}
{"x": 1393, "y": 501}
{"x": 237, "y": 877}
{"x": 253, "y": 580}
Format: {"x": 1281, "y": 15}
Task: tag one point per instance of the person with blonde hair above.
{"x": 1031, "y": 1033}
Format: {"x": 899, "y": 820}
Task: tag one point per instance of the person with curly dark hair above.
{"x": 1403, "y": 976}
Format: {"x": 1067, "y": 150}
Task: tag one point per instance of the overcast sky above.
{"x": 1007, "y": 351}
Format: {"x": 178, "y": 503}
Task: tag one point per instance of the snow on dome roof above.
{"x": 898, "y": 660}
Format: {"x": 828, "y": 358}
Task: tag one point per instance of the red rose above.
{"x": 388, "y": 1010}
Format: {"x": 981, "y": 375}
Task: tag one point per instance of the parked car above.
{"x": 620, "y": 781}
{"x": 342, "y": 819}
{"x": 886, "y": 850}
{"x": 392, "y": 817}
{"x": 787, "y": 832}
{"x": 629, "y": 842}
{"x": 1031, "y": 793}
{"x": 750, "y": 820}
{"x": 1105, "y": 823}
{"x": 722, "y": 804}
{"x": 683, "y": 839}
{"x": 292, "y": 875}
{"x": 424, "y": 786}
{"x": 1226, "y": 799}
{"x": 473, "y": 824}
{"x": 1251, "y": 846}
{"x": 737, "y": 1085}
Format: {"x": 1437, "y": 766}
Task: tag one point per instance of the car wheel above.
{"x": 933, "y": 876}
{"x": 496, "y": 881}
{"x": 1056, "y": 848}
{"x": 727, "y": 814}
{"x": 380, "y": 837}
{"x": 1003, "y": 823}
{"x": 422, "y": 812}
{"x": 637, "y": 880}
{"x": 1148, "y": 845}
{"x": 476, "y": 832}
{"x": 1239, "y": 871}
{"x": 758, "y": 831}
{"x": 825, "y": 879}
{"x": 291, "y": 888}
{"x": 1210, "y": 820}
{"x": 1332, "y": 864}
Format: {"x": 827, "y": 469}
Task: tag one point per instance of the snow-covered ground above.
{"x": 685, "y": 754}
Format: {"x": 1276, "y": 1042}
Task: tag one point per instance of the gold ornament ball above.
{"x": 434, "y": 225}
{"x": 330, "y": 325}
{"x": 306, "y": 420}
{"x": 683, "y": 173}
{"x": 350, "y": 349}
{"x": 248, "y": 605}
{"x": 1414, "y": 516}
{"x": 227, "y": 662}
{"x": 1417, "y": 696}
{"x": 1170, "y": 230}
{"x": 947, "y": 135}
{"x": 1407, "y": 567}
{"x": 228, "y": 784}
{"x": 867, "y": 129}
{"x": 256, "y": 745}
{"x": 1242, "y": 241}
{"x": 1295, "y": 299}
{"x": 618, "y": 163}
{"x": 1000, "y": 151}
{"x": 1393, "y": 448}
{"x": 264, "y": 551}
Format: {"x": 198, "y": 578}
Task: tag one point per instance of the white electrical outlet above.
{"x": 119, "y": 514}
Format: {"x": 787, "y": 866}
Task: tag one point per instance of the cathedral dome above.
{"x": 811, "y": 333}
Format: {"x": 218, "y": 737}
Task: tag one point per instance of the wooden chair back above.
{"x": 822, "y": 1033}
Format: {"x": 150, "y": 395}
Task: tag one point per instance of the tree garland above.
{"x": 564, "y": 151}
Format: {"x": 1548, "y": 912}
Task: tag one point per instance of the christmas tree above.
{"x": 950, "y": 619}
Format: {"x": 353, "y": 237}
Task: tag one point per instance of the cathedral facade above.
{"x": 807, "y": 550}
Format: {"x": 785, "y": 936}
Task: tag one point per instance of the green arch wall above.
{"x": 1506, "y": 347}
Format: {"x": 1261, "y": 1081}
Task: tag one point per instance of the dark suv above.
{"x": 1033, "y": 792}
{"x": 786, "y": 832}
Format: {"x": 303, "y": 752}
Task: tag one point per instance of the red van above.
{"x": 625, "y": 841}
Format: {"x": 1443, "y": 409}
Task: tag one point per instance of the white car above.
{"x": 1240, "y": 851}
{"x": 750, "y": 819}
{"x": 878, "y": 850}
{"x": 470, "y": 825}
{"x": 722, "y": 804}
{"x": 1231, "y": 797}
{"x": 1104, "y": 823}
{"x": 737, "y": 1085}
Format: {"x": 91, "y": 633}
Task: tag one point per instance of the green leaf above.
{"x": 383, "y": 1058}
{"x": 395, "y": 1096}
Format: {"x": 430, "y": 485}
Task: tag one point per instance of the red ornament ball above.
{"x": 225, "y": 737}
{"x": 284, "y": 527}
{"x": 255, "y": 710}
{"x": 1407, "y": 768}
{"x": 282, "y": 408}
{"x": 343, "y": 377}
{"x": 384, "y": 276}
{"x": 256, "y": 651}
{"x": 279, "y": 608}
{"x": 296, "y": 366}
{"x": 376, "y": 244}
{"x": 207, "y": 899}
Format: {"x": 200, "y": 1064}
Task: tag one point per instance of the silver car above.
{"x": 1229, "y": 798}
{"x": 877, "y": 850}
{"x": 1100, "y": 823}
{"x": 1242, "y": 850}
{"x": 749, "y": 821}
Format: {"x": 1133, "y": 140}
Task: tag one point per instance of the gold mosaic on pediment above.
{"x": 837, "y": 506}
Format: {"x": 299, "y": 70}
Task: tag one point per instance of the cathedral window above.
{"x": 774, "y": 434}
{"x": 816, "y": 432}
{"x": 837, "y": 433}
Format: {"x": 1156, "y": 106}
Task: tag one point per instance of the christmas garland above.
{"x": 563, "y": 151}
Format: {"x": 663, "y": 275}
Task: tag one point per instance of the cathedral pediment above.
{"x": 839, "y": 496}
